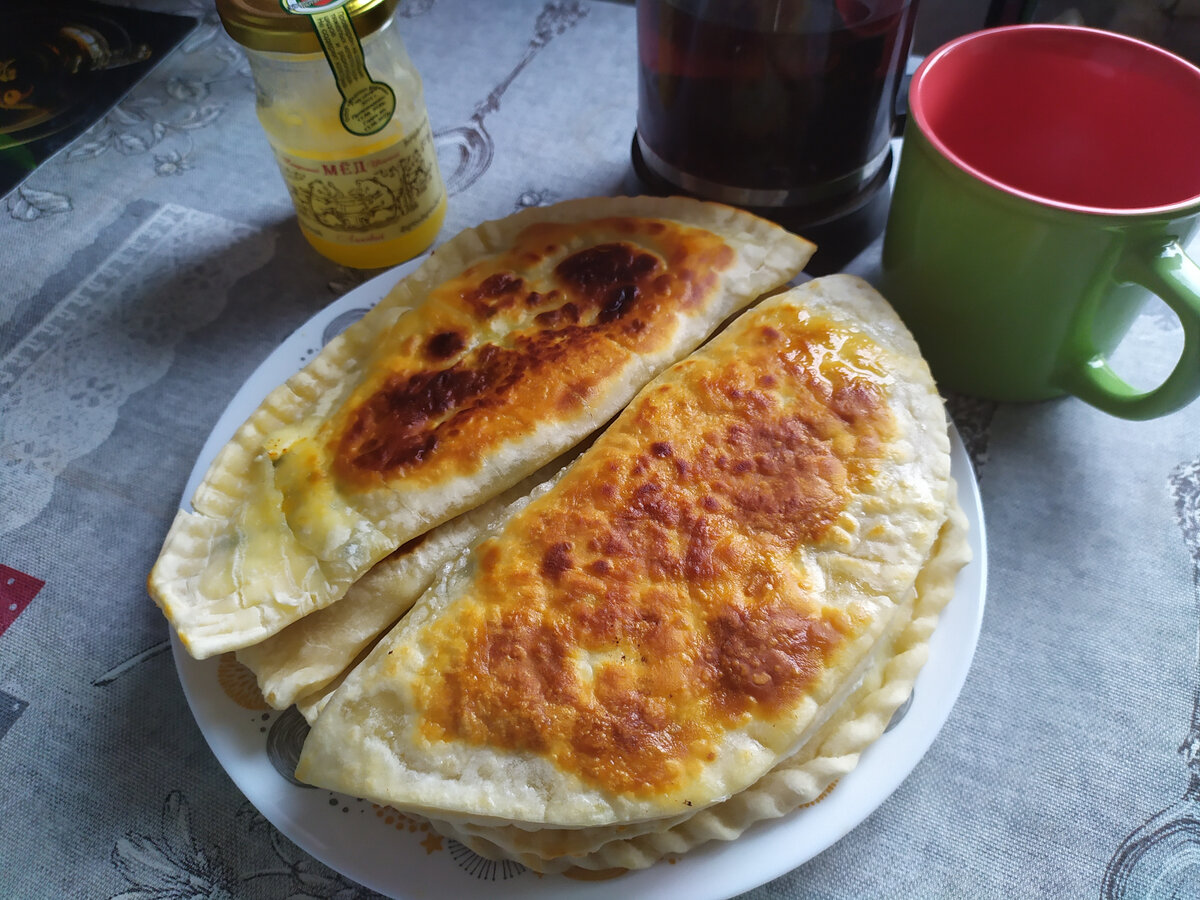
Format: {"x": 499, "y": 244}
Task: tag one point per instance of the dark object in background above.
{"x": 1171, "y": 24}
{"x": 1008, "y": 12}
{"x": 786, "y": 108}
{"x": 63, "y": 65}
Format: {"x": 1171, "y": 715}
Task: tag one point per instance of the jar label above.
{"x": 369, "y": 198}
{"x": 367, "y": 104}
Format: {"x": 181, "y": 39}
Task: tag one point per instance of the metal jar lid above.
{"x": 265, "y": 25}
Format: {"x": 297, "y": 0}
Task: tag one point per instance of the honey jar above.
{"x": 343, "y": 109}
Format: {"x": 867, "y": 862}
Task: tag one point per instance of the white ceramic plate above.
{"x": 401, "y": 859}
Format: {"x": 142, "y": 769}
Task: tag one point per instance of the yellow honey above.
{"x": 343, "y": 108}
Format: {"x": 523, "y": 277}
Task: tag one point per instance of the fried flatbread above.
{"x": 686, "y": 609}
{"x": 297, "y": 664}
{"x": 511, "y": 344}
{"x": 803, "y": 778}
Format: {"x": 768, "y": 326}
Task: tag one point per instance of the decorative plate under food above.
{"x": 404, "y": 859}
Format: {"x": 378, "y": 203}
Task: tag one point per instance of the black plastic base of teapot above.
{"x": 841, "y": 229}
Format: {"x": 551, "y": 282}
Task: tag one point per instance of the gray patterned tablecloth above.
{"x": 151, "y": 265}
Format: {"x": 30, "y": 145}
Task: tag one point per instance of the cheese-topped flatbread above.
{"x": 524, "y": 336}
{"x": 686, "y": 607}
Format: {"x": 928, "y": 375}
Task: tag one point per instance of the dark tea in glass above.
{"x": 784, "y": 104}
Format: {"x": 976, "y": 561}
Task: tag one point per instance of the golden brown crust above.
{"x": 687, "y": 606}
{"x": 662, "y": 563}
{"x": 508, "y": 346}
{"x": 799, "y": 781}
{"x": 520, "y": 337}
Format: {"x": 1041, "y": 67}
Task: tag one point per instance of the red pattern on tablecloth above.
{"x": 16, "y": 591}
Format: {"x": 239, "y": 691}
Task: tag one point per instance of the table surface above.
{"x": 153, "y": 263}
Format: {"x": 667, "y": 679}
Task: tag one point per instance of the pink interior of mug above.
{"x": 1073, "y": 117}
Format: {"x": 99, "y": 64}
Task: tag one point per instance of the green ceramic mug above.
{"x": 1050, "y": 177}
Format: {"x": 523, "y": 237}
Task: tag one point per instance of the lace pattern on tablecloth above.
{"x": 111, "y": 336}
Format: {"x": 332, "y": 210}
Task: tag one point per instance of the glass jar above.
{"x": 362, "y": 175}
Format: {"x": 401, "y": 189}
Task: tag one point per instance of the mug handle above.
{"x": 1169, "y": 273}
